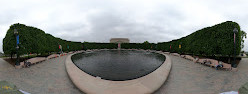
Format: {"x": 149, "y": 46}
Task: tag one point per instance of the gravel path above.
{"x": 48, "y": 77}
{"x": 187, "y": 77}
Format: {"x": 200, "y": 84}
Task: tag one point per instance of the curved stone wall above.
{"x": 143, "y": 85}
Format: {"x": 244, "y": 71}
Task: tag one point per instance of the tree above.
{"x": 243, "y": 35}
{"x": 146, "y": 42}
{"x": 215, "y": 40}
{"x": 34, "y": 40}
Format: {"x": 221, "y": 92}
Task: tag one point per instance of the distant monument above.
{"x": 119, "y": 41}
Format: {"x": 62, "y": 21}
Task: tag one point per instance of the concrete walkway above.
{"x": 4, "y": 65}
{"x": 187, "y": 77}
{"x": 48, "y": 77}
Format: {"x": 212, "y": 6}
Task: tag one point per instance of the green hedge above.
{"x": 34, "y": 40}
{"x": 93, "y": 45}
{"x": 215, "y": 40}
{"x": 209, "y": 41}
{"x": 145, "y": 46}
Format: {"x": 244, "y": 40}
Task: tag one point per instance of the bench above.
{"x": 167, "y": 52}
{"x": 36, "y": 60}
{"x": 63, "y": 54}
{"x": 70, "y": 53}
{"x": 227, "y": 66}
{"x": 214, "y": 63}
{"x": 52, "y": 56}
{"x": 189, "y": 57}
{"x": 175, "y": 54}
{"x": 182, "y": 56}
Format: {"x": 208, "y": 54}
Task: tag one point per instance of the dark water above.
{"x": 118, "y": 65}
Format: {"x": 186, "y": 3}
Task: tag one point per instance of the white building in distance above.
{"x": 119, "y": 40}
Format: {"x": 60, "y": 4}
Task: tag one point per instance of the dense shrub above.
{"x": 93, "y": 45}
{"x": 34, "y": 40}
{"x": 209, "y": 41}
{"x": 139, "y": 46}
{"x": 215, "y": 40}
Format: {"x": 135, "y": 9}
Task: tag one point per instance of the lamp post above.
{"x": 235, "y": 30}
{"x": 17, "y": 47}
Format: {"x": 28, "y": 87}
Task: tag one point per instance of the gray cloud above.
{"x": 138, "y": 20}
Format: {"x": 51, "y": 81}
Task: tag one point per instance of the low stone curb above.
{"x": 143, "y": 85}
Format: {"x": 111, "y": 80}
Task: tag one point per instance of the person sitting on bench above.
{"x": 27, "y": 64}
{"x": 220, "y": 65}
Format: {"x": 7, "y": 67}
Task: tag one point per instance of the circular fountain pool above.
{"x": 118, "y": 65}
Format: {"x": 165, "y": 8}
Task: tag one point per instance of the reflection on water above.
{"x": 118, "y": 65}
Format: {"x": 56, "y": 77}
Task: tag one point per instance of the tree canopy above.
{"x": 209, "y": 41}
{"x": 215, "y": 40}
{"x": 34, "y": 40}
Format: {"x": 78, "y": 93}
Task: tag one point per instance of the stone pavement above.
{"x": 187, "y": 77}
{"x": 48, "y": 77}
{"x": 4, "y": 65}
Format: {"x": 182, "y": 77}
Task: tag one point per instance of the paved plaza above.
{"x": 48, "y": 77}
{"x": 185, "y": 77}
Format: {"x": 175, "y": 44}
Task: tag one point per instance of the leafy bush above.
{"x": 34, "y": 40}
{"x": 209, "y": 41}
{"x": 87, "y": 45}
{"x": 215, "y": 40}
{"x": 144, "y": 45}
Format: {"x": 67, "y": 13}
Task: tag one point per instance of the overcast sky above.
{"x": 139, "y": 20}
